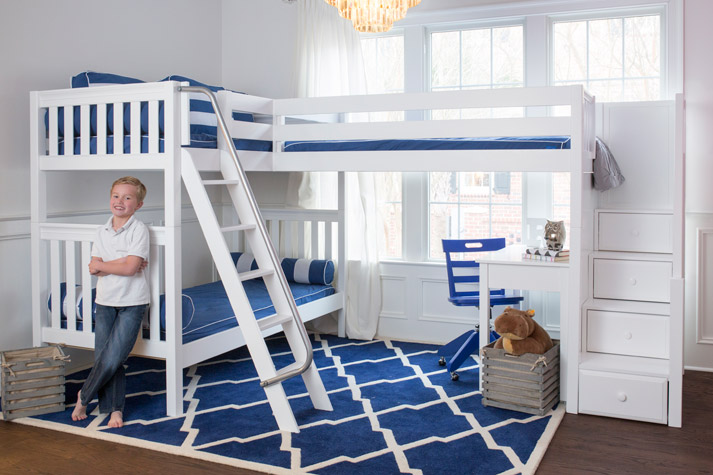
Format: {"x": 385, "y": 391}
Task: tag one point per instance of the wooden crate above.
{"x": 32, "y": 381}
{"x": 527, "y": 383}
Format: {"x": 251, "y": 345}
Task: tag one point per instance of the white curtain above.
{"x": 330, "y": 63}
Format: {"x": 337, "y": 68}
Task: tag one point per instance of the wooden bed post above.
{"x": 173, "y": 280}
{"x": 38, "y": 210}
{"x": 342, "y": 250}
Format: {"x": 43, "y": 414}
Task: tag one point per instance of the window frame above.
{"x": 603, "y": 14}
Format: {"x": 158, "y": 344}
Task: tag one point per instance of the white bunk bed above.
{"x": 165, "y": 146}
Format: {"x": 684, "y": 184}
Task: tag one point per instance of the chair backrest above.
{"x": 469, "y": 276}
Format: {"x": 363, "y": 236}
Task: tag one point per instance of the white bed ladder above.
{"x": 269, "y": 268}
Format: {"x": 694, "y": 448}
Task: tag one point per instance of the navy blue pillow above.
{"x": 204, "y": 124}
{"x": 302, "y": 271}
{"x": 308, "y": 271}
{"x": 93, "y": 79}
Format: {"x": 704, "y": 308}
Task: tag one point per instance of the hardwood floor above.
{"x": 589, "y": 444}
{"x": 582, "y": 445}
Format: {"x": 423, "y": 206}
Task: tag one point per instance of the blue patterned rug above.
{"x": 395, "y": 411}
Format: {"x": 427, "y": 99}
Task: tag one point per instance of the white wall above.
{"x": 267, "y": 70}
{"x": 42, "y": 44}
{"x": 698, "y": 71}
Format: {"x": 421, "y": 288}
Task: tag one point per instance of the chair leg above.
{"x": 451, "y": 348}
{"x": 469, "y": 347}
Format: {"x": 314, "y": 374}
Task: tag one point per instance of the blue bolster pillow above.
{"x": 302, "y": 271}
{"x": 79, "y": 307}
{"x": 308, "y": 271}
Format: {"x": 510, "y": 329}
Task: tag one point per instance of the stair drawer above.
{"x": 627, "y": 396}
{"x": 632, "y": 280}
{"x": 635, "y": 232}
{"x": 629, "y": 334}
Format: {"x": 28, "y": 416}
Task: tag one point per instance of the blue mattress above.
{"x": 214, "y": 314}
{"x": 206, "y": 309}
{"x": 240, "y": 144}
{"x": 483, "y": 143}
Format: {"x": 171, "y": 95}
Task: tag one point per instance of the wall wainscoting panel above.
{"x": 393, "y": 297}
{"x": 437, "y": 308}
{"x": 415, "y": 305}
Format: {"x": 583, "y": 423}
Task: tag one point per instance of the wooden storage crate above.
{"x": 527, "y": 383}
{"x": 32, "y": 381}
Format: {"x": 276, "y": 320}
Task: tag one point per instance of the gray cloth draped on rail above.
{"x": 607, "y": 174}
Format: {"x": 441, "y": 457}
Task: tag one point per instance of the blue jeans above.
{"x": 116, "y": 329}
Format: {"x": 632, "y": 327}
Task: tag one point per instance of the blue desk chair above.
{"x": 465, "y": 345}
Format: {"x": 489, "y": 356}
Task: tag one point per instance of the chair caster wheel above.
{"x": 454, "y": 376}
{"x": 442, "y": 361}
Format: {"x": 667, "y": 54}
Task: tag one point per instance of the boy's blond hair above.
{"x": 130, "y": 180}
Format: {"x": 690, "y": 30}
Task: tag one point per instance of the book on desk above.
{"x": 545, "y": 255}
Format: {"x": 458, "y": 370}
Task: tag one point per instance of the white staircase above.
{"x": 269, "y": 268}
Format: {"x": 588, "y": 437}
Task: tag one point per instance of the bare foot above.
{"x": 80, "y": 412}
{"x": 116, "y": 419}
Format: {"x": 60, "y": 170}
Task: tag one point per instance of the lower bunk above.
{"x": 208, "y": 326}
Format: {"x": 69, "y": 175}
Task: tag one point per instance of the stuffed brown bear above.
{"x": 520, "y": 333}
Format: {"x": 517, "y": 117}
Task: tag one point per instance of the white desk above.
{"x": 506, "y": 269}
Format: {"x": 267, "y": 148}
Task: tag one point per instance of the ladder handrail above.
{"x": 262, "y": 229}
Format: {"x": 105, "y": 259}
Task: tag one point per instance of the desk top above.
{"x": 512, "y": 255}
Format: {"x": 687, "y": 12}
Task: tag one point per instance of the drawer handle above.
{"x": 621, "y": 396}
{"x": 635, "y": 232}
{"x": 627, "y": 335}
{"x": 632, "y": 281}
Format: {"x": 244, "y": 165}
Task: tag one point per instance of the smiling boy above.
{"x": 119, "y": 255}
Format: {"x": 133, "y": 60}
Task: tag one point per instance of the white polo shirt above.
{"x": 132, "y": 239}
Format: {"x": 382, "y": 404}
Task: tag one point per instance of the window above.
{"x": 384, "y": 68}
{"x": 472, "y": 204}
{"x": 617, "y": 55}
{"x": 616, "y": 58}
{"x": 480, "y": 58}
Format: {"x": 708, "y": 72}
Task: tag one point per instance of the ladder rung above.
{"x": 221, "y": 182}
{"x": 254, "y": 274}
{"x": 239, "y": 227}
{"x": 273, "y": 321}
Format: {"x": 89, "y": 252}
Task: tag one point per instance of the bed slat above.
{"x": 69, "y": 131}
{"x": 87, "y": 314}
{"x": 300, "y": 239}
{"x": 118, "y": 128}
{"x": 101, "y": 129}
{"x": 153, "y": 127}
{"x": 155, "y": 311}
{"x": 85, "y": 133}
{"x": 70, "y": 283}
{"x": 314, "y": 251}
{"x": 53, "y": 149}
{"x": 135, "y": 114}
{"x": 328, "y": 240}
{"x": 55, "y": 266}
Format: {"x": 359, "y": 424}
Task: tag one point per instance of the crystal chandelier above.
{"x": 373, "y": 16}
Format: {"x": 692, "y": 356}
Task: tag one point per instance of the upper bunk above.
{"x": 516, "y": 129}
